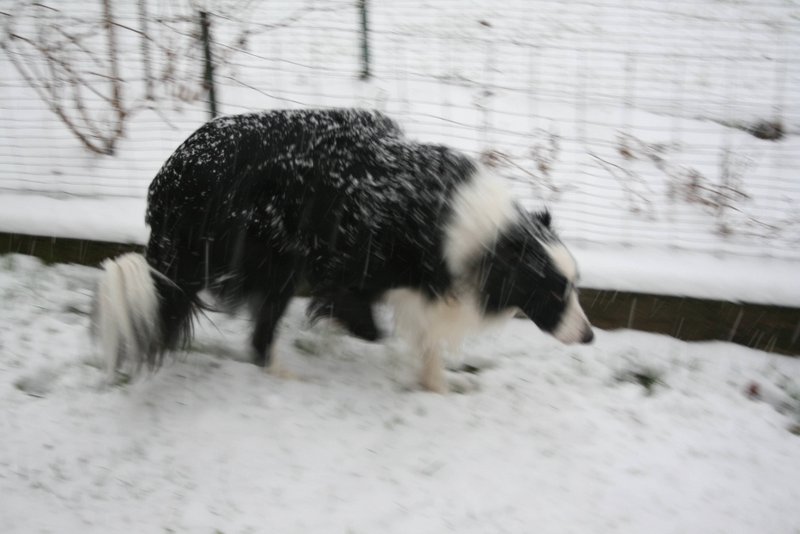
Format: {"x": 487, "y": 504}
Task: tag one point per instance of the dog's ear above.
{"x": 544, "y": 217}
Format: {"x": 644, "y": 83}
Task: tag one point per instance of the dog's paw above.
{"x": 279, "y": 371}
{"x": 451, "y": 382}
{"x": 433, "y": 380}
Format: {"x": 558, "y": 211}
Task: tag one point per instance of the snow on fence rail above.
{"x": 643, "y": 124}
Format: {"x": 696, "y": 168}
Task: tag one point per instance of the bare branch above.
{"x": 58, "y": 110}
{"x": 625, "y": 182}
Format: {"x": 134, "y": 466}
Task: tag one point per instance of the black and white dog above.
{"x": 250, "y": 206}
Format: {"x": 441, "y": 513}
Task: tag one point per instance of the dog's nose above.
{"x": 587, "y": 337}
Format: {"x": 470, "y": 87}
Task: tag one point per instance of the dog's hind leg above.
{"x": 267, "y": 311}
{"x": 265, "y": 279}
{"x": 352, "y": 310}
{"x": 177, "y": 305}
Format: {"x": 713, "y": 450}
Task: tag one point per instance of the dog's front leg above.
{"x": 433, "y": 378}
{"x": 266, "y": 314}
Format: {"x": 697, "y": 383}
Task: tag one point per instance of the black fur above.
{"x": 249, "y": 205}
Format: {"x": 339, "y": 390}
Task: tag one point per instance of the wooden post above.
{"x": 205, "y": 32}
{"x": 365, "y": 70}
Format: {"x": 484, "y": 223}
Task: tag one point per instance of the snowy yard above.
{"x": 628, "y": 119}
{"x": 548, "y": 439}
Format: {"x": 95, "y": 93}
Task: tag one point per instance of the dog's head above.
{"x": 530, "y": 269}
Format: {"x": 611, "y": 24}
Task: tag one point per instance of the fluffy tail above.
{"x": 129, "y": 313}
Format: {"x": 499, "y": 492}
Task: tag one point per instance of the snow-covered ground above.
{"x": 547, "y": 438}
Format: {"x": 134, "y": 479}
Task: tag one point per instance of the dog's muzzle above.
{"x": 574, "y": 326}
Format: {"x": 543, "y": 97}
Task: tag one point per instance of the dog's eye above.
{"x": 564, "y": 296}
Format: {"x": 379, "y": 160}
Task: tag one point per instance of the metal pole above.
{"x": 209, "y": 70}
